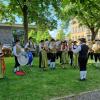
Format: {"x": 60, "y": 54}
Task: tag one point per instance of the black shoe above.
{"x": 84, "y": 79}
{"x": 80, "y": 79}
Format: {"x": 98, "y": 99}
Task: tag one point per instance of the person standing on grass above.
{"x": 40, "y": 54}
{"x": 64, "y": 54}
{"x": 58, "y": 47}
{"x": 91, "y": 52}
{"x": 30, "y": 46}
{"x": 75, "y": 55}
{"x": 44, "y": 62}
{"x": 96, "y": 49}
{"x": 52, "y": 48}
{"x": 2, "y": 63}
{"x": 82, "y": 49}
{"x": 70, "y": 53}
{"x": 16, "y": 52}
{"x": 47, "y": 42}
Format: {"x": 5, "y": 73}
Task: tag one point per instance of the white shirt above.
{"x": 27, "y": 44}
{"x": 58, "y": 43}
{"x": 33, "y": 47}
{"x": 47, "y": 43}
{"x": 14, "y": 50}
{"x": 78, "y": 49}
{"x": 52, "y": 45}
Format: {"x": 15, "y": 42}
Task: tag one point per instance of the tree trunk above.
{"x": 94, "y": 33}
{"x": 25, "y": 23}
{"x": 93, "y": 36}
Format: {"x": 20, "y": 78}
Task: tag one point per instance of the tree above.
{"x": 87, "y": 12}
{"x": 42, "y": 36}
{"x": 33, "y": 34}
{"x": 37, "y": 11}
{"x": 60, "y": 35}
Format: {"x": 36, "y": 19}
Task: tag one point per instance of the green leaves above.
{"x": 60, "y": 35}
{"x": 86, "y": 11}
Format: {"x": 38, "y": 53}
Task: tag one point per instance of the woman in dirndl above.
{"x": 44, "y": 62}
{"x": 64, "y": 56}
{"x": 2, "y": 63}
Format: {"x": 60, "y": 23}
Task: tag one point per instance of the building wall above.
{"x": 78, "y": 31}
{"x": 6, "y": 36}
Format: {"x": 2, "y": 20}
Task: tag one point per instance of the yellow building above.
{"x": 78, "y": 31}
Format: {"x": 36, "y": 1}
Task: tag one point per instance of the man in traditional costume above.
{"x": 58, "y": 47}
{"x": 52, "y": 48}
{"x": 2, "y": 63}
{"x": 70, "y": 52}
{"x": 91, "y": 52}
{"x": 47, "y": 42}
{"x": 16, "y": 52}
{"x": 30, "y": 47}
{"x": 41, "y": 45}
{"x": 96, "y": 49}
{"x": 82, "y": 49}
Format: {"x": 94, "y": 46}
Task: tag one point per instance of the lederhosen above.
{"x": 48, "y": 55}
{"x": 91, "y": 53}
{"x": 97, "y": 56}
{"x": 83, "y": 57}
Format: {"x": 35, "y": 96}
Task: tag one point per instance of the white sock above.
{"x": 81, "y": 74}
{"x": 70, "y": 61}
{"x": 17, "y": 68}
{"x": 31, "y": 63}
{"x": 53, "y": 64}
{"x": 85, "y": 73}
{"x": 98, "y": 63}
{"x": 48, "y": 62}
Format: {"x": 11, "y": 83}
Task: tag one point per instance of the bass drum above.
{"x": 23, "y": 58}
{"x": 30, "y": 57}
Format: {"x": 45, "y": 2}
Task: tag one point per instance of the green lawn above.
{"x": 39, "y": 85}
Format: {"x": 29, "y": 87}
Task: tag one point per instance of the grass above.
{"x": 39, "y": 85}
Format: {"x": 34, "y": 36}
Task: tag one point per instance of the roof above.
{"x": 16, "y": 25}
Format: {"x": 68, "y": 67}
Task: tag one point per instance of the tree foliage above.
{"x": 37, "y": 11}
{"x": 86, "y": 11}
{"x": 60, "y": 35}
